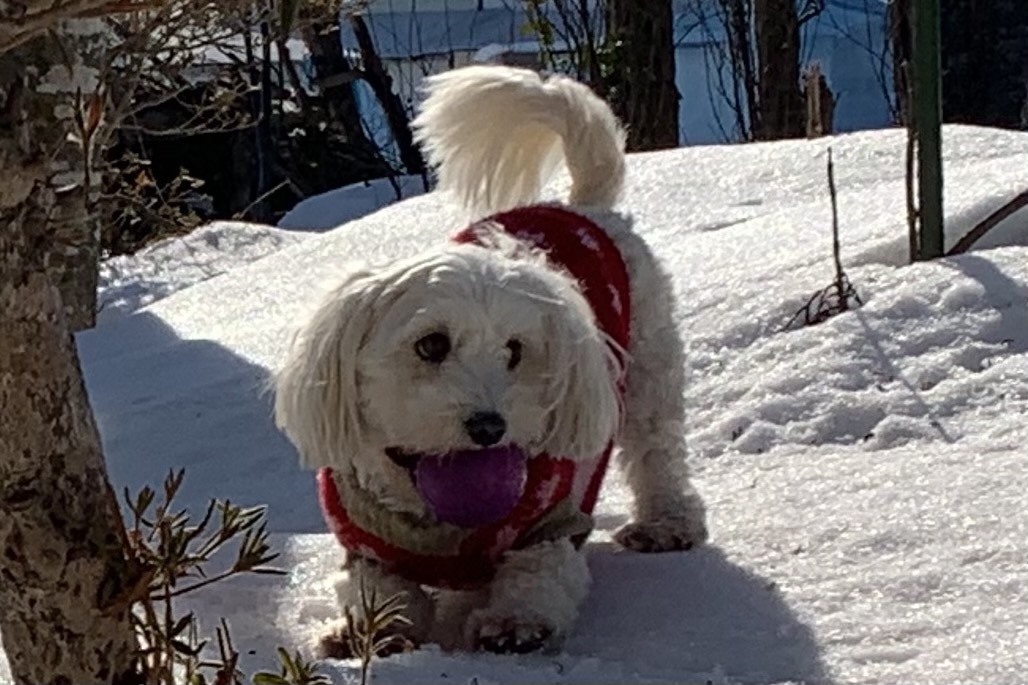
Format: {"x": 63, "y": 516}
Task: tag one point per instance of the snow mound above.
{"x": 937, "y": 353}
{"x": 130, "y": 282}
{"x": 864, "y": 477}
{"x": 336, "y": 207}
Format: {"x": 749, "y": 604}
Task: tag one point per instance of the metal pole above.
{"x": 927, "y": 108}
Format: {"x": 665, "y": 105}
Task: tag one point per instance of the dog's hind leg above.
{"x": 668, "y": 514}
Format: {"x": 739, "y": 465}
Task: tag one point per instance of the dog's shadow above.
{"x": 694, "y": 614}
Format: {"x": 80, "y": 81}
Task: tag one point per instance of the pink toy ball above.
{"x": 472, "y": 488}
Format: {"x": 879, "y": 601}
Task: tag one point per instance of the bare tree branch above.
{"x": 1016, "y": 204}
{"x": 21, "y": 21}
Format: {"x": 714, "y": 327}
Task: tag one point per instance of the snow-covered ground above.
{"x": 336, "y": 207}
{"x": 130, "y": 282}
{"x": 865, "y": 477}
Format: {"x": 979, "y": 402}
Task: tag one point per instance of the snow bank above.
{"x": 129, "y": 282}
{"x": 336, "y": 207}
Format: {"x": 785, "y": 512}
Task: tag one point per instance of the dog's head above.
{"x": 461, "y": 348}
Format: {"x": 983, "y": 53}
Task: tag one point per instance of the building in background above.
{"x": 415, "y": 38}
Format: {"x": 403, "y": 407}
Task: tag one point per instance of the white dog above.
{"x": 460, "y": 405}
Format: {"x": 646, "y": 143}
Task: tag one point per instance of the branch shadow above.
{"x": 163, "y": 402}
{"x": 1006, "y": 295}
{"x": 873, "y": 338}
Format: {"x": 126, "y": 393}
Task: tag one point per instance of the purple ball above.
{"x": 472, "y": 488}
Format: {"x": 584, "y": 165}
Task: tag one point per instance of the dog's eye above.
{"x": 433, "y": 347}
{"x": 514, "y": 345}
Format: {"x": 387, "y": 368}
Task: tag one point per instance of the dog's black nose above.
{"x": 485, "y": 428}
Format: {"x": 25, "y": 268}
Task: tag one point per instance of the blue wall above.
{"x": 847, "y": 38}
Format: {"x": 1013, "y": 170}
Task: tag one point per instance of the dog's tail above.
{"x": 496, "y": 133}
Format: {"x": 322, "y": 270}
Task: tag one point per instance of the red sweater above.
{"x": 466, "y": 559}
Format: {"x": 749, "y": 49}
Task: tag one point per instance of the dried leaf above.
{"x": 181, "y": 625}
{"x": 185, "y": 648}
{"x": 94, "y": 113}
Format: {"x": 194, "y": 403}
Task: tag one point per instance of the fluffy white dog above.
{"x": 461, "y": 405}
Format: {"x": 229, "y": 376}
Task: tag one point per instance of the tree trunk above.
{"x": 777, "y": 32}
{"x": 641, "y": 87}
{"x": 901, "y": 42}
{"x": 376, "y": 76}
{"x": 264, "y": 131}
{"x": 744, "y": 78}
{"x": 337, "y": 106}
{"x": 927, "y": 104}
{"x": 985, "y": 62}
{"x": 62, "y": 558}
{"x": 72, "y": 259}
{"x": 820, "y": 102}
{"x": 335, "y": 77}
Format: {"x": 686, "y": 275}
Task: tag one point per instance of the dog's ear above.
{"x": 318, "y": 389}
{"x": 585, "y": 408}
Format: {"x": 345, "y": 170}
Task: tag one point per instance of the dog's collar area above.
{"x": 451, "y": 556}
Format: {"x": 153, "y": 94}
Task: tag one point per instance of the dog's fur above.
{"x": 352, "y": 385}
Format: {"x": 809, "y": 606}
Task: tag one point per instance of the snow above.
{"x": 864, "y": 477}
{"x": 232, "y": 48}
{"x": 493, "y": 51}
{"x": 336, "y": 207}
{"x": 129, "y": 282}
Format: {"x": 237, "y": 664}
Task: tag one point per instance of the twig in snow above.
{"x": 834, "y": 299}
{"x": 1019, "y": 202}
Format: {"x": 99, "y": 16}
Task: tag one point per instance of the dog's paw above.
{"x": 662, "y": 535}
{"x": 335, "y": 643}
{"x": 509, "y": 635}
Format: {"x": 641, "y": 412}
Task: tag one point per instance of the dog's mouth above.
{"x": 467, "y": 488}
{"x": 408, "y": 460}
{"x": 404, "y": 459}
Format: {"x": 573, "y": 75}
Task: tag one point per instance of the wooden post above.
{"x": 927, "y": 109}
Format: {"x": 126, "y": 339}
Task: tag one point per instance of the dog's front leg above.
{"x": 533, "y": 601}
{"x": 363, "y": 575}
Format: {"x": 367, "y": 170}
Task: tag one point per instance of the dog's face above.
{"x": 458, "y": 360}
{"x": 462, "y": 348}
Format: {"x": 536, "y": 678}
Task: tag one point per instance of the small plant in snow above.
{"x": 295, "y": 670}
{"x": 370, "y": 638}
{"x": 168, "y": 555}
{"x": 835, "y": 298}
